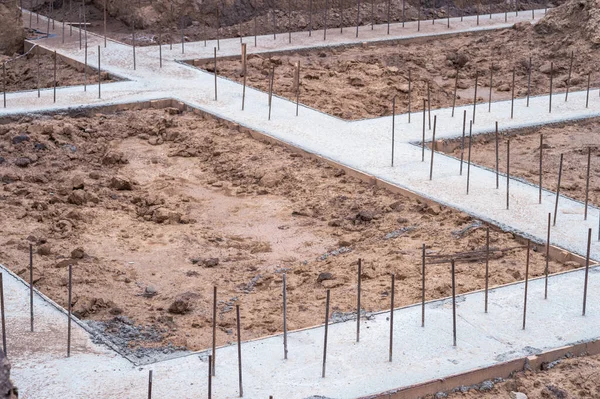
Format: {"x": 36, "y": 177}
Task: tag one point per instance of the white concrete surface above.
{"x": 365, "y": 145}
{"x": 41, "y": 370}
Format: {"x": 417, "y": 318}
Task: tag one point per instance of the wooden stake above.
{"x": 526, "y": 284}
{"x": 325, "y": 336}
{"x": 558, "y": 189}
{"x": 429, "y": 104}
{"x": 357, "y": 17}
{"x": 388, "y": 16}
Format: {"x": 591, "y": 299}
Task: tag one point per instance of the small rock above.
{"x": 486, "y": 386}
{"x": 121, "y": 183}
{"x": 20, "y": 138}
{"x": 357, "y": 82}
{"x": 77, "y": 182}
{"x": 365, "y": 216}
{"x": 324, "y": 276}
{"x": 517, "y": 395}
{"x": 271, "y": 179}
{"x": 546, "y": 68}
{"x": 504, "y": 87}
{"x": 40, "y": 147}
{"x": 22, "y": 162}
{"x": 210, "y": 262}
{"x": 44, "y": 250}
{"x": 77, "y": 197}
{"x": 77, "y": 253}
{"x": 150, "y": 292}
{"x": 183, "y": 303}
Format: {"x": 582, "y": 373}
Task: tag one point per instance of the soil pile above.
{"x": 11, "y": 28}
{"x": 578, "y": 19}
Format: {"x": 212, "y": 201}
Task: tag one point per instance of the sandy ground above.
{"x": 153, "y": 209}
{"x": 572, "y": 377}
{"x": 570, "y": 139}
{"x": 357, "y": 83}
{"x": 22, "y": 73}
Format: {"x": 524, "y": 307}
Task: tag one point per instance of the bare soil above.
{"x": 570, "y": 139}
{"x": 22, "y": 73}
{"x": 235, "y": 18}
{"x": 570, "y": 377}
{"x": 153, "y": 208}
{"x": 361, "y": 82}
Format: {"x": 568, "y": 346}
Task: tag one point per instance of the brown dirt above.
{"x": 357, "y": 83}
{"x": 22, "y": 73}
{"x": 573, "y": 377}
{"x": 11, "y": 34}
{"x": 200, "y": 20}
{"x": 160, "y": 189}
{"x": 571, "y": 139}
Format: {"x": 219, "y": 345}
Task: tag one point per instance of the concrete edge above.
{"x": 502, "y": 370}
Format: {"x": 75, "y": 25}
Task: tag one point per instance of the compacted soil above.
{"x": 22, "y": 72}
{"x": 573, "y": 140}
{"x": 153, "y": 208}
{"x": 361, "y": 82}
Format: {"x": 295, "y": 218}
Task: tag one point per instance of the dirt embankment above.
{"x": 11, "y": 28}
{"x": 154, "y": 208}
{"x": 237, "y": 17}
{"x": 360, "y": 83}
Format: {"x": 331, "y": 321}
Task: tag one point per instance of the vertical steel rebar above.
{"x": 469, "y": 156}
{"x": 391, "y": 349}
{"x": 587, "y": 270}
{"x": 31, "y": 287}
{"x": 69, "y": 310}
{"x": 587, "y": 183}
{"x": 433, "y": 145}
{"x": 284, "y": 289}
{"x": 541, "y": 168}
{"x": 453, "y": 303}
{"x": 526, "y": 284}
{"x": 423, "y": 286}
{"x": 212, "y": 358}
{"x": 239, "y": 349}
{"x": 325, "y": 335}
{"x": 358, "y": 300}
{"x": 547, "y": 268}
{"x": 487, "y": 266}
{"x": 558, "y": 189}
{"x": 2, "y": 314}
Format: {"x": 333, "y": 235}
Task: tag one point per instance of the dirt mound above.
{"x": 11, "y": 32}
{"x": 577, "y": 18}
